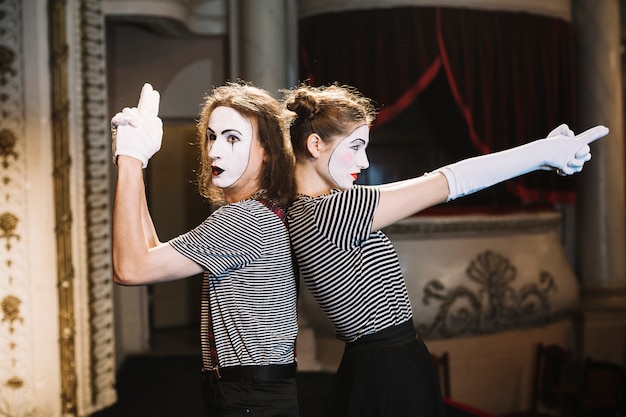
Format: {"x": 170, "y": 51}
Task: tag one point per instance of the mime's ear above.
{"x": 314, "y": 145}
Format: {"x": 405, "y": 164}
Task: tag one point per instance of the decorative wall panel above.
{"x": 81, "y": 143}
{"x": 54, "y": 131}
{"x": 96, "y": 144}
{"x": 16, "y": 326}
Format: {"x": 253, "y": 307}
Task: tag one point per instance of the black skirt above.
{"x": 389, "y": 373}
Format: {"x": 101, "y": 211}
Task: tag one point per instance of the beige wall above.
{"x": 183, "y": 69}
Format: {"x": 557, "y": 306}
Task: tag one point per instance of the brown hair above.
{"x": 328, "y": 111}
{"x": 277, "y": 173}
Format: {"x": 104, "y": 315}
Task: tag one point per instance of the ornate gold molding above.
{"x": 63, "y": 214}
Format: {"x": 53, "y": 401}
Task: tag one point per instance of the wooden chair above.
{"x": 554, "y": 385}
{"x": 442, "y": 365}
{"x": 603, "y": 389}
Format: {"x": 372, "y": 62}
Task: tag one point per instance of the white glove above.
{"x": 560, "y": 151}
{"x": 138, "y": 131}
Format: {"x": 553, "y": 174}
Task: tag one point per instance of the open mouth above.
{"x": 216, "y": 170}
{"x": 355, "y": 175}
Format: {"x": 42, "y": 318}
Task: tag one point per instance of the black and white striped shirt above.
{"x": 354, "y": 274}
{"x": 245, "y": 250}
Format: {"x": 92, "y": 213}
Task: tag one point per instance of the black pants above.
{"x": 258, "y": 397}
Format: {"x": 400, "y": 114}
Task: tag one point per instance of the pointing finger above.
{"x": 592, "y": 134}
{"x": 148, "y": 101}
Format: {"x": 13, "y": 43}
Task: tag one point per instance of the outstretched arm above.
{"x": 138, "y": 256}
{"x": 402, "y": 199}
{"x": 560, "y": 151}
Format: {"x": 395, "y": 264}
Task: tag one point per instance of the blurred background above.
{"x": 493, "y": 278}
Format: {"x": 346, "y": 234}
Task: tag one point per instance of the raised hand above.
{"x": 138, "y": 131}
{"x": 567, "y": 153}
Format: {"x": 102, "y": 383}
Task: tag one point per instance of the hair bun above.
{"x": 304, "y": 105}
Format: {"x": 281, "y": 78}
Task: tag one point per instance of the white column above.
{"x": 601, "y": 204}
{"x": 263, "y": 48}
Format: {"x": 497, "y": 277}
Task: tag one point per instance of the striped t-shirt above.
{"x": 353, "y": 273}
{"x": 244, "y": 248}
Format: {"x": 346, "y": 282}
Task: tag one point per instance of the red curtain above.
{"x": 511, "y": 75}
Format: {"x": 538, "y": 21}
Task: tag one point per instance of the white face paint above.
{"x": 230, "y": 139}
{"x": 349, "y": 158}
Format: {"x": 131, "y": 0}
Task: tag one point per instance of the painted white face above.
{"x": 349, "y": 158}
{"x": 229, "y": 144}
